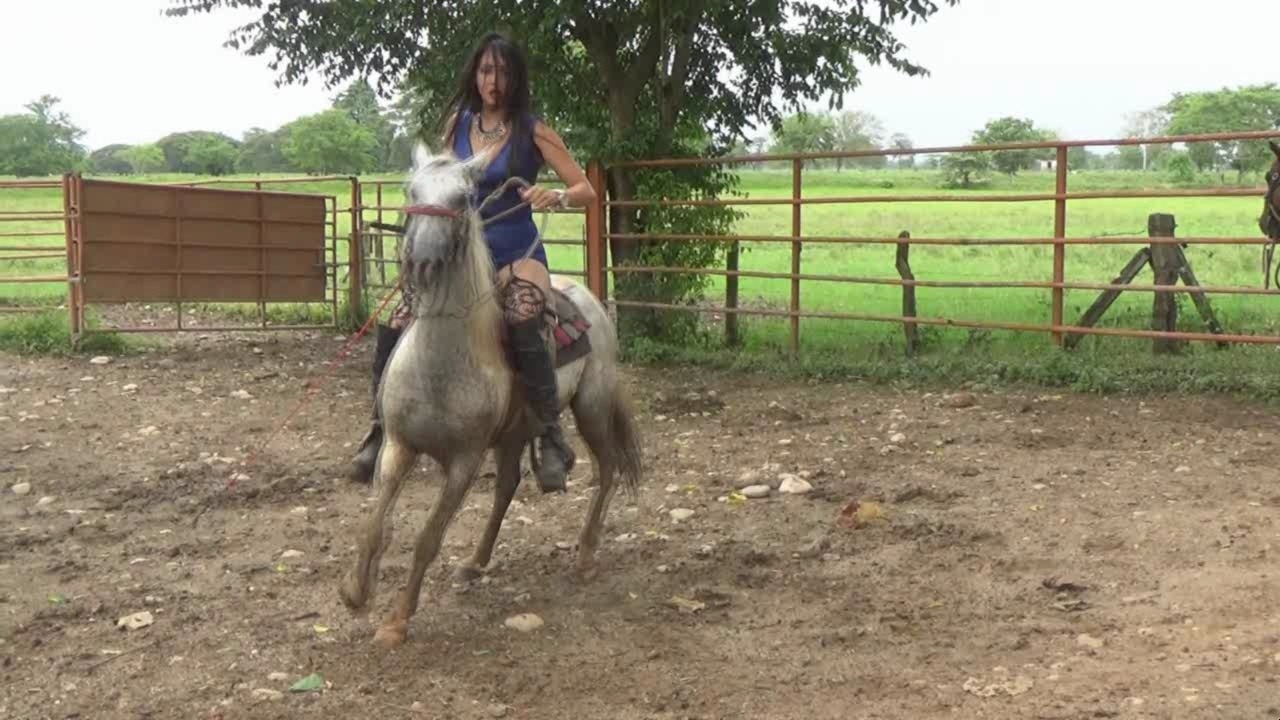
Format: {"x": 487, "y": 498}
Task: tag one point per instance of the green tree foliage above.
{"x": 145, "y": 158}
{"x": 1145, "y": 124}
{"x": 1181, "y": 169}
{"x": 331, "y": 142}
{"x": 1253, "y": 107}
{"x": 262, "y": 151}
{"x": 858, "y": 130}
{"x": 805, "y": 133}
{"x": 630, "y": 80}
{"x": 1013, "y": 130}
{"x": 965, "y": 169}
{"x": 360, "y": 102}
{"x": 1080, "y": 158}
{"x": 900, "y": 141}
{"x": 42, "y": 141}
{"x": 212, "y": 157}
{"x": 110, "y": 160}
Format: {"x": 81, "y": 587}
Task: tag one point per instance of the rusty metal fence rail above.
{"x": 33, "y": 255}
{"x": 379, "y": 203}
{"x": 1056, "y": 326}
{"x": 96, "y": 242}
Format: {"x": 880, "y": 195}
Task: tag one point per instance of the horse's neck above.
{"x": 459, "y": 323}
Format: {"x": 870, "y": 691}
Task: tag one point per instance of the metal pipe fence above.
{"x": 1063, "y": 333}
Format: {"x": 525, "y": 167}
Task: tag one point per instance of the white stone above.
{"x": 21, "y": 488}
{"x": 267, "y": 695}
{"x": 525, "y": 622}
{"x": 681, "y": 514}
{"x": 756, "y": 491}
{"x": 136, "y": 621}
{"x": 792, "y": 485}
{"x": 1089, "y": 641}
{"x": 100, "y": 360}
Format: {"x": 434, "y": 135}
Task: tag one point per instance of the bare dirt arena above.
{"x": 1029, "y": 555}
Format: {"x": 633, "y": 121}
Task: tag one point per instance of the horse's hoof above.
{"x": 469, "y": 573}
{"x": 390, "y": 635}
{"x": 354, "y": 601}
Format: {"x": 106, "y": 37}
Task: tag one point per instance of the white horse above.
{"x": 449, "y": 391}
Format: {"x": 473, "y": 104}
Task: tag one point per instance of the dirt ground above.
{"x": 1031, "y": 555}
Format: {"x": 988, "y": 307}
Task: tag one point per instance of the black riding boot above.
{"x": 367, "y": 456}
{"x": 555, "y": 457}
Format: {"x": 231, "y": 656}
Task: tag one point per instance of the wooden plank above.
{"x": 132, "y": 250}
{"x": 1105, "y": 300}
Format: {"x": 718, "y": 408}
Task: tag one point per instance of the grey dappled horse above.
{"x": 449, "y": 392}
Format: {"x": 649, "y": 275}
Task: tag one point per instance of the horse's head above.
{"x": 1270, "y": 220}
{"x": 442, "y": 224}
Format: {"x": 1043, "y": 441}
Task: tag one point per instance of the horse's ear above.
{"x": 1274, "y": 148}
{"x": 421, "y": 155}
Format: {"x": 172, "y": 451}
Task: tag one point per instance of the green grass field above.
{"x": 868, "y": 345}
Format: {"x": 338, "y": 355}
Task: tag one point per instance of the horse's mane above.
{"x": 469, "y": 262}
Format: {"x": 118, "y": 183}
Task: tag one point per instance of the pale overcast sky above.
{"x": 127, "y": 74}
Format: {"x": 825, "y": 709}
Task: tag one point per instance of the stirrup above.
{"x": 552, "y": 477}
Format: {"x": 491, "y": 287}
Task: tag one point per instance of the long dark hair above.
{"x": 518, "y": 103}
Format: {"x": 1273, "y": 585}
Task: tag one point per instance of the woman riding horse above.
{"x": 490, "y": 113}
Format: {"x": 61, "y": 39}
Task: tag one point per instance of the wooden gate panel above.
{"x": 151, "y": 243}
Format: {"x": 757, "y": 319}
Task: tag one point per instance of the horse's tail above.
{"x": 626, "y": 440}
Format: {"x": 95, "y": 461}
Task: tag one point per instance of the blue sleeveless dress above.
{"x": 510, "y": 237}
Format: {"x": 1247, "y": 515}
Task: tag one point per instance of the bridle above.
{"x": 433, "y": 210}
{"x": 1272, "y": 208}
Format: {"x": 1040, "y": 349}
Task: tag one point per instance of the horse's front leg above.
{"x": 504, "y": 489}
{"x": 393, "y": 467}
{"x": 459, "y": 474}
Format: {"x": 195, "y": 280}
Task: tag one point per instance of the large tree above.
{"x": 1254, "y": 107}
{"x": 1013, "y": 130}
{"x": 621, "y": 80}
{"x": 331, "y": 142}
{"x": 41, "y": 141}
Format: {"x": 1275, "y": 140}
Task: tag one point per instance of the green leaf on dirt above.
{"x": 57, "y": 598}
{"x": 310, "y": 683}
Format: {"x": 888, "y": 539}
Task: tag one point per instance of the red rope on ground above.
{"x": 313, "y": 386}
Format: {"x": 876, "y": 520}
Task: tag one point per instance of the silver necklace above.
{"x": 490, "y": 135}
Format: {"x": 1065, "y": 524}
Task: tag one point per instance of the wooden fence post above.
{"x": 908, "y": 292}
{"x": 1059, "y": 247}
{"x": 1165, "y": 261}
{"x": 355, "y": 256}
{"x": 797, "y": 169}
{"x": 731, "y": 337}
{"x": 597, "y": 278}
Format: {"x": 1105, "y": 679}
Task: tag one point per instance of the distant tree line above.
{"x": 1255, "y": 107}
{"x": 356, "y": 135}
{"x": 359, "y": 135}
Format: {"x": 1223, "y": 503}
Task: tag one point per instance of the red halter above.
{"x": 433, "y": 210}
